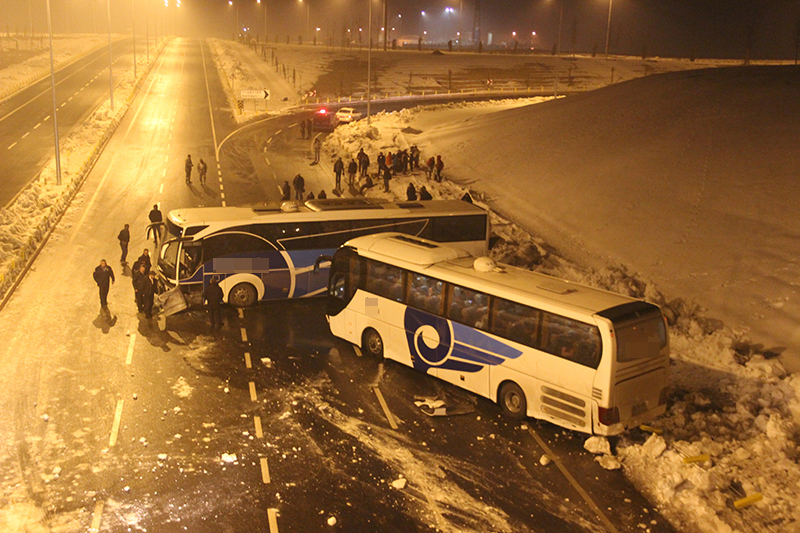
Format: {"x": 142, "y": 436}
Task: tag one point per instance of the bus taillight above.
{"x": 608, "y": 415}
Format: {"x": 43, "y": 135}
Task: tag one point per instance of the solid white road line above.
{"x": 129, "y": 359}
{"x": 385, "y": 407}
{"x": 91, "y": 202}
{"x": 253, "y": 395}
{"x": 112, "y": 440}
{"x": 272, "y": 519}
{"x": 264, "y": 470}
{"x": 97, "y": 515}
{"x": 572, "y": 481}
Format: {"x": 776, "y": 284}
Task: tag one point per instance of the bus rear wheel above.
{"x": 372, "y": 343}
{"x": 512, "y": 401}
{"x": 242, "y": 295}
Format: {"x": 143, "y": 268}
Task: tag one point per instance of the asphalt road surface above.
{"x": 118, "y": 423}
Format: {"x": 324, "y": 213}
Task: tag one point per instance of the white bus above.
{"x": 582, "y": 358}
{"x": 269, "y": 253}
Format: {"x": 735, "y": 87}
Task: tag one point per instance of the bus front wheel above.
{"x": 242, "y": 295}
{"x": 512, "y": 401}
{"x": 372, "y": 343}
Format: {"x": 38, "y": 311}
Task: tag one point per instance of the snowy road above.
{"x": 115, "y": 425}
{"x": 26, "y": 118}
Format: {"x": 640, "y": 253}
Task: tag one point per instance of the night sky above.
{"x": 682, "y": 28}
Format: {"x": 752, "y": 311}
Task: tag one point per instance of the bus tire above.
{"x": 512, "y": 401}
{"x": 372, "y": 343}
{"x": 242, "y": 295}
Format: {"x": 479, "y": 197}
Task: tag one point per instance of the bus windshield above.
{"x": 168, "y": 259}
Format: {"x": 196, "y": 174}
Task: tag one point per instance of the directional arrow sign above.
{"x": 255, "y": 94}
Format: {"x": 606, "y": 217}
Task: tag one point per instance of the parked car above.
{"x": 347, "y": 114}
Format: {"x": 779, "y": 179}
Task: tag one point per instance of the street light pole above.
{"x": 110, "y": 62}
{"x": 55, "y": 107}
{"x": 558, "y": 45}
{"x": 369, "y": 62}
{"x": 133, "y": 30}
{"x": 608, "y": 26}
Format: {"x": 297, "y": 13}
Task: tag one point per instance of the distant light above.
{"x": 423, "y": 13}
{"x": 230, "y": 2}
{"x": 399, "y": 16}
{"x": 533, "y": 33}
{"x": 514, "y": 33}
{"x": 317, "y": 29}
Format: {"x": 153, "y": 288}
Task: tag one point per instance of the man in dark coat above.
{"x": 144, "y": 259}
{"x": 104, "y": 277}
{"x": 424, "y": 194}
{"x": 338, "y": 169}
{"x": 147, "y": 288}
{"x": 299, "y": 187}
{"x": 352, "y": 168}
{"x": 155, "y": 216}
{"x": 124, "y": 238}
{"x": 213, "y": 296}
{"x": 138, "y": 276}
{"x": 286, "y": 191}
{"x": 411, "y": 192}
{"x": 188, "y": 167}
{"x": 387, "y": 175}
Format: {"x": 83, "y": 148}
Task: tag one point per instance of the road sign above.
{"x": 255, "y": 94}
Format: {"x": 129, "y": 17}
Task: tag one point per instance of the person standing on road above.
{"x": 138, "y": 277}
{"x": 144, "y": 260}
{"x": 202, "y": 169}
{"x": 364, "y": 165}
{"x": 147, "y": 287}
{"x": 317, "y": 147}
{"x": 188, "y": 167}
{"x": 352, "y": 168}
{"x": 387, "y": 175}
{"x": 338, "y": 169}
{"x": 155, "y": 217}
{"x": 213, "y": 297}
{"x": 299, "y": 187}
{"x": 286, "y": 191}
{"x": 439, "y": 167}
{"x": 124, "y": 238}
{"x": 303, "y": 129}
{"x": 104, "y": 277}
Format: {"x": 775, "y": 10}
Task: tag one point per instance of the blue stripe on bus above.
{"x": 460, "y": 347}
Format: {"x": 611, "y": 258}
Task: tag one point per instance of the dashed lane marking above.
{"x": 272, "y": 519}
{"x": 241, "y": 312}
{"x": 267, "y": 158}
{"x": 12, "y": 146}
{"x": 264, "y": 470}
{"x": 164, "y": 173}
{"x": 244, "y": 334}
{"x": 277, "y": 133}
{"x": 572, "y": 481}
{"x": 112, "y": 440}
{"x": 36, "y": 126}
{"x": 28, "y": 133}
{"x": 161, "y": 189}
{"x": 259, "y": 429}
{"x": 253, "y": 395}
{"x": 97, "y": 515}
{"x": 46, "y": 118}
{"x": 247, "y": 362}
{"x": 385, "y": 407}
{"x": 129, "y": 359}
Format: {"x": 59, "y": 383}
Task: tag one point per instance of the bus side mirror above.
{"x": 320, "y": 260}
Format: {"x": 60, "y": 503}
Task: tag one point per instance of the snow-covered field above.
{"x": 732, "y": 424}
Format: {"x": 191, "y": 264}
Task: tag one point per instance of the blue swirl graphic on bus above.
{"x": 435, "y": 342}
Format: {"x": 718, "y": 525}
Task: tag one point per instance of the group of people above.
{"x": 306, "y": 128}
{"x": 144, "y": 286}
{"x": 299, "y": 184}
{"x": 412, "y": 194}
{"x": 202, "y": 169}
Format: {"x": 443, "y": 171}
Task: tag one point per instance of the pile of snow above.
{"x": 726, "y": 401}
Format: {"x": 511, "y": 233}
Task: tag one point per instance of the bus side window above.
{"x": 569, "y": 339}
{"x": 465, "y": 306}
{"x": 425, "y": 293}
{"x": 515, "y": 322}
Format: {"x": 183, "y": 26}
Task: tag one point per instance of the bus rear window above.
{"x": 641, "y": 339}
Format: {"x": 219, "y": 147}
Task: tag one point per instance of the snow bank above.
{"x": 733, "y": 420}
